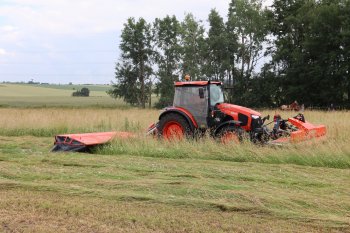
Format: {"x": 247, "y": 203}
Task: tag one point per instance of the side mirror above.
{"x": 201, "y": 93}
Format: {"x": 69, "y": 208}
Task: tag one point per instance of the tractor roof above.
{"x": 196, "y": 83}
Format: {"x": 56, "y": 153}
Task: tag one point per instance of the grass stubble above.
{"x": 147, "y": 185}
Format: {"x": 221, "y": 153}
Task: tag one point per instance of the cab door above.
{"x": 195, "y": 100}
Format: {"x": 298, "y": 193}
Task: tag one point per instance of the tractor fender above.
{"x": 231, "y": 122}
{"x": 182, "y": 112}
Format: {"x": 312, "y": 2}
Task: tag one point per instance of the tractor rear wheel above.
{"x": 230, "y": 133}
{"x": 174, "y": 126}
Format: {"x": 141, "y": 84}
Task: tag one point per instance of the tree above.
{"x": 247, "y": 25}
{"x": 289, "y": 28}
{"x": 128, "y": 84}
{"x": 232, "y": 50}
{"x": 265, "y": 89}
{"x": 308, "y": 41}
{"x": 216, "y": 55}
{"x": 345, "y": 46}
{"x": 167, "y": 33}
{"x": 83, "y": 92}
{"x": 192, "y": 43}
{"x": 136, "y": 54}
{"x": 312, "y": 50}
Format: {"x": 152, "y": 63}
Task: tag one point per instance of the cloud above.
{"x": 9, "y": 34}
{"x": 35, "y": 18}
{"x": 8, "y": 28}
{"x": 94, "y": 16}
{"x": 46, "y": 37}
{"x": 4, "y": 53}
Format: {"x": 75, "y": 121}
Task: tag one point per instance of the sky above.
{"x": 62, "y": 41}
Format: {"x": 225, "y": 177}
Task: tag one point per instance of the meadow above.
{"x": 26, "y": 95}
{"x": 50, "y": 96}
{"x": 149, "y": 185}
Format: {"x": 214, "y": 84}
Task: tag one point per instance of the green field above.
{"x": 50, "y": 95}
{"x": 25, "y": 95}
{"x": 92, "y": 87}
{"x": 27, "y": 90}
{"x": 149, "y": 185}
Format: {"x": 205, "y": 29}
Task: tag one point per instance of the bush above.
{"x": 83, "y": 92}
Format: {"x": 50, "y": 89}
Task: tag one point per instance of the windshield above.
{"x": 216, "y": 95}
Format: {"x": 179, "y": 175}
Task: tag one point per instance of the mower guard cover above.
{"x": 306, "y": 131}
{"x": 84, "y": 142}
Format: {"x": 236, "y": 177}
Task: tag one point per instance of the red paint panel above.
{"x": 306, "y": 130}
{"x": 238, "y": 109}
{"x": 90, "y": 139}
{"x": 187, "y": 113}
{"x": 233, "y": 110}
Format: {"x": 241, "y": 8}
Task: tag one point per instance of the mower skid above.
{"x": 84, "y": 142}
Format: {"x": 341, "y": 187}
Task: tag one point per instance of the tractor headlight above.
{"x": 255, "y": 117}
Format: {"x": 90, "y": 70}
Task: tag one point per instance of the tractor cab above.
{"x": 199, "y": 98}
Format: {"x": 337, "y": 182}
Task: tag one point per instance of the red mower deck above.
{"x": 84, "y": 142}
{"x": 306, "y": 131}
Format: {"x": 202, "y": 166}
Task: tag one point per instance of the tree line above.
{"x": 265, "y": 57}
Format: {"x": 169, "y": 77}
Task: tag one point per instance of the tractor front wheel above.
{"x": 229, "y": 134}
{"x": 173, "y": 126}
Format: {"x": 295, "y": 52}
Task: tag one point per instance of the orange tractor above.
{"x": 199, "y": 108}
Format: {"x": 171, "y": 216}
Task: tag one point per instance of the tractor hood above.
{"x": 230, "y": 109}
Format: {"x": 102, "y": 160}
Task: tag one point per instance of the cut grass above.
{"x": 73, "y": 192}
{"x": 327, "y": 154}
{"x": 148, "y": 185}
{"x": 52, "y": 212}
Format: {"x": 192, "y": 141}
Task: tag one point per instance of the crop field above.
{"x": 146, "y": 185}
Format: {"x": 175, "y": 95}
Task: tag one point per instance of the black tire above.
{"x": 175, "y": 117}
{"x": 230, "y": 129}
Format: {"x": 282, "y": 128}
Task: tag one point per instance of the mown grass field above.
{"x": 146, "y": 185}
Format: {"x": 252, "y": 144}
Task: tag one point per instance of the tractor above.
{"x": 199, "y": 108}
